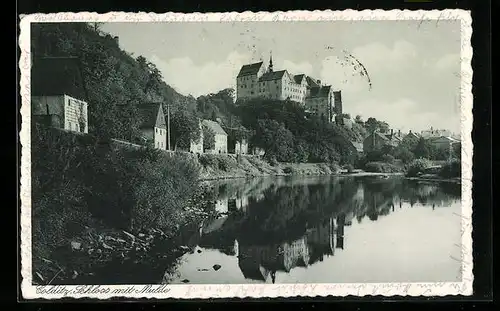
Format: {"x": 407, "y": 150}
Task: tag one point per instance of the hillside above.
{"x": 115, "y": 81}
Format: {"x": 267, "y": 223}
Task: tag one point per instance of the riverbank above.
{"x": 435, "y": 178}
{"x": 229, "y": 166}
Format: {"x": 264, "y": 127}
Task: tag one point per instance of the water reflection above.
{"x": 273, "y": 226}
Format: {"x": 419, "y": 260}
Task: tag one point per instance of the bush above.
{"x": 334, "y": 167}
{"x": 288, "y": 170}
{"x": 451, "y": 169}
{"x": 381, "y": 167}
{"x": 417, "y": 166}
{"x": 78, "y": 183}
{"x": 225, "y": 163}
{"x": 208, "y": 160}
{"x": 387, "y": 158}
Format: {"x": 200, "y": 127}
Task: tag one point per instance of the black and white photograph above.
{"x": 173, "y": 152}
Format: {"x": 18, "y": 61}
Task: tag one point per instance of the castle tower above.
{"x": 270, "y": 69}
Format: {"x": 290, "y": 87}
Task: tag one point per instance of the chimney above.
{"x": 392, "y": 132}
{"x": 399, "y": 132}
{"x": 409, "y": 132}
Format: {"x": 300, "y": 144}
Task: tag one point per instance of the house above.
{"x": 220, "y": 136}
{"x": 257, "y": 151}
{"x": 241, "y": 147}
{"x": 238, "y": 147}
{"x": 58, "y": 94}
{"x": 412, "y": 135}
{"x": 435, "y": 133}
{"x": 444, "y": 142}
{"x": 358, "y": 147}
{"x": 257, "y": 81}
{"x": 197, "y": 146}
{"x": 153, "y": 126}
{"x": 377, "y": 140}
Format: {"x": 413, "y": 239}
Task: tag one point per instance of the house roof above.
{"x": 52, "y": 76}
{"x": 249, "y": 69}
{"x": 151, "y": 115}
{"x": 273, "y": 75}
{"x": 358, "y": 146}
{"x": 312, "y": 82}
{"x": 298, "y": 78}
{"x": 322, "y": 91}
{"x": 215, "y": 127}
{"x": 445, "y": 138}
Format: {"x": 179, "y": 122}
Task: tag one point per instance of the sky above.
{"x": 413, "y": 66}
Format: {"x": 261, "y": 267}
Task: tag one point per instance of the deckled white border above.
{"x": 276, "y": 290}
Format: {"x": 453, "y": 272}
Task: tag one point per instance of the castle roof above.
{"x": 250, "y": 69}
{"x": 52, "y": 76}
{"x": 151, "y": 115}
{"x": 215, "y": 127}
{"x": 298, "y": 78}
{"x": 273, "y": 75}
{"x": 320, "y": 91}
{"x": 311, "y": 82}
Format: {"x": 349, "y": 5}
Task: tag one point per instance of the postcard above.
{"x": 254, "y": 154}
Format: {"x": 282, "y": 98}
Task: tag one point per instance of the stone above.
{"x": 185, "y": 281}
{"x": 76, "y": 246}
{"x": 217, "y": 267}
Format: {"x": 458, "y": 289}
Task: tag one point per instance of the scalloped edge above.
{"x": 258, "y": 291}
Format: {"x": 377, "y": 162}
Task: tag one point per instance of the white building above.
{"x": 197, "y": 146}
{"x": 220, "y": 136}
{"x": 257, "y": 81}
{"x": 59, "y": 97}
{"x": 63, "y": 111}
{"x": 153, "y": 126}
{"x": 435, "y": 133}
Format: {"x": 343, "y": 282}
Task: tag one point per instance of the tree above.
{"x": 373, "y": 124}
{"x": 208, "y": 138}
{"x": 358, "y": 119}
{"x": 404, "y": 154}
{"x": 268, "y": 133}
{"x": 185, "y": 128}
{"x": 424, "y": 149}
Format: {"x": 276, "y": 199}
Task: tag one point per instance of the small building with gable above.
{"x": 58, "y": 94}
{"x": 153, "y": 126}
{"x": 220, "y": 136}
{"x": 377, "y": 140}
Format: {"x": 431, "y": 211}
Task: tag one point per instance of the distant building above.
{"x": 444, "y": 142}
{"x": 257, "y": 81}
{"x": 58, "y": 94}
{"x": 435, "y": 133}
{"x": 412, "y": 135}
{"x": 257, "y": 151}
{"x": 377, "y": 140}
{"x": 220, "y": 136}
{"x": 153, "y": 127}
{"x": 197, "y": 146}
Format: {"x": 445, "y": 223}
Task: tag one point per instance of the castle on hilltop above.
{"x": 258, "y": 81}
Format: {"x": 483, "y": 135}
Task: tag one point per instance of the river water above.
{"x": 326, "y": 230}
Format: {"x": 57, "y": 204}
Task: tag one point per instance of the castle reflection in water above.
{"x": 277, "y": 225}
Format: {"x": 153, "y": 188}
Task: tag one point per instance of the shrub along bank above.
{"x": 94, "y": 205}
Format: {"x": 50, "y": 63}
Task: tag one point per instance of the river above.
{"x": 326, "y": 229}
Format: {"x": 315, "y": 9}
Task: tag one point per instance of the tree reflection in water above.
{"x": 279, "y": 224}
